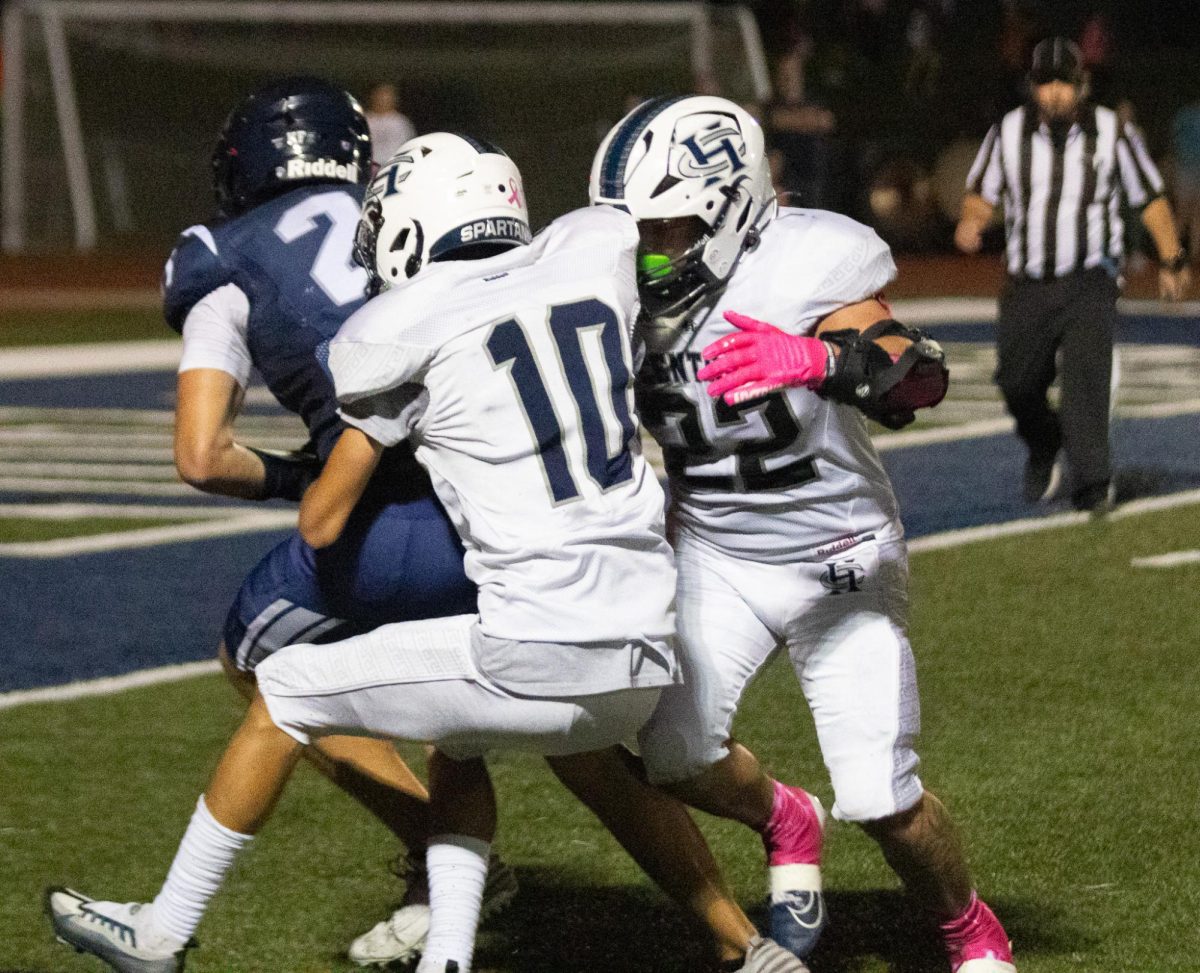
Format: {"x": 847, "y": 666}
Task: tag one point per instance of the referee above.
{"x": 1065, "y": 170}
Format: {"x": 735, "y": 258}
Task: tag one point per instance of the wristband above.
{"x": 286, "y": 475}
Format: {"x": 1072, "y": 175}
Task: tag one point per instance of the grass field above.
{"x": 1059, "y": 692}
{"x": 23, "y": 529}
{"x": 62, "y": 327}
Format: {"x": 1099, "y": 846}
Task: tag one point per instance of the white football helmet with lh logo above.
{"x": 440, "y": 197}
{"x": 697, "y": 156}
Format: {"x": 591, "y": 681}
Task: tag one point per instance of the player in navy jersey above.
{"x": 265, "y": 286}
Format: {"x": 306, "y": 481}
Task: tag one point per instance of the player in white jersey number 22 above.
{"x": 785, "y": 528}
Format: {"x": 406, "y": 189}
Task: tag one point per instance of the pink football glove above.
{"x": 759, "y": 359}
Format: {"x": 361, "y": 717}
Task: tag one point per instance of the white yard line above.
{"x": 12, "y": 484}
{"x": 29, "y": 437}
{"x": 108, "y": 686}
{"x": 944, "y": 310}
{"x": 1032, "y": 525}
{"x": 982, "y": 310}
{"x": 244, "y": 523}
{"x": 77, "y": 419}
{"x": 941, "y": 434}
{"x": 31, "y": 450}
{"x": 935, "y": 542}
{"x": 1159, "y": 410}
{"x": 78, "y": 511}
{"x": 54, "y": 434}
{"x": 109, "y": 358}
{"x": 84, "y": 472}
{"x": 1172, "y": 560}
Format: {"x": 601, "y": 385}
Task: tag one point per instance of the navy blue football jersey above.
{"x": 399, "y": 558}
{"x": 291, "y": 258}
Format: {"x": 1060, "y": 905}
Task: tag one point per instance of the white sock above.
{"x": 458, "y": 867}
{"x": 205, "y": 855}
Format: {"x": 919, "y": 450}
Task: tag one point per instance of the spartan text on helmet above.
{"x": 502, "y": 227}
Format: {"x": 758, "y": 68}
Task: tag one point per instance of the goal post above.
{"x": 539, "y": 77}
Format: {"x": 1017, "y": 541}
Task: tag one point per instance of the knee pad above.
{"x": 671, "y": 756}
{"x": 864, "y": 794}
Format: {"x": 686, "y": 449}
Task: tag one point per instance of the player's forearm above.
{"x": 222, "y": 467}
{"x": 1160, "y": 223}
{"x": 206, "y": 456}
{"x": 328, "y": 503}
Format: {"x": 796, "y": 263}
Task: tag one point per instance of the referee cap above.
{"x": 1056, "y": 59}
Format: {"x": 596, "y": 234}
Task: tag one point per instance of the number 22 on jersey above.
{"x": 599, "y": 390}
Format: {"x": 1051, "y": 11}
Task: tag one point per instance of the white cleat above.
{"x": 988, "y": 965}
{"x": 402, "y": 935}
{"x": 767, "y": 956}
{"x": 118, "y": 933}
{"x": 399, "y": 937}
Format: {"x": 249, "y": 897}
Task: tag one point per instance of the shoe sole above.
{"x": 496, "y": 898}
{"x": 88, "y": 948}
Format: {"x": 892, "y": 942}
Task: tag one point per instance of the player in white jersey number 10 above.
{"x": 786, "y": 531}
{"x": 506, "y": 364}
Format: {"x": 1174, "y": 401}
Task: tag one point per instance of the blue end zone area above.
{"x": 968, "y": 482}
{"x": 87, "y": 616}
{"x": 136, "y": 390}
{"x": 105, "y": 614}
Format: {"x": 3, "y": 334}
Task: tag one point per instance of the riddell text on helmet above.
{"x": 320, "y": 169}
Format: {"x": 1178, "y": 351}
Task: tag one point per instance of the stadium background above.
{"x": 1057, "y": 661}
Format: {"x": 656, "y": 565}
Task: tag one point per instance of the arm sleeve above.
{"x": 214, "y": 334}
{"x": 1140, "y": 178}
{"x": 986, "y": 178}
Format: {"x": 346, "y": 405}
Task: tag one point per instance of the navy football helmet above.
{"x": 287, "y": 134}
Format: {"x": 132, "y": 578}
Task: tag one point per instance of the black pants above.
{"x": 1078, "y": 315}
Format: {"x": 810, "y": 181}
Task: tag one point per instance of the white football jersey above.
{"x": 512, "y": 378}
{"x": 791, "y": 475}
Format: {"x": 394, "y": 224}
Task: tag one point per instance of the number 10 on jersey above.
{"x": 510, "y": 349}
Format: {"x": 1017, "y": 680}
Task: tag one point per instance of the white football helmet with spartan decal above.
{"x": 687, "y": 158}
{"x": 440, "y": 197}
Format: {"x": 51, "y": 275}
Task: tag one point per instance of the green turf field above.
{"x": 1059, "y": 691}
{"x": 22, "y": 529}
{"x": 59, "y": 327}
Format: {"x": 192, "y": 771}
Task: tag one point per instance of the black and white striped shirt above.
{"x": 1077, "y": 190}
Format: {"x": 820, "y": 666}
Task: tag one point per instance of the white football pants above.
{"x": 842, "y": 621}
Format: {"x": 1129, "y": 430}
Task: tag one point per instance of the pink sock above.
{"x": 793, "y": 832}
{"x": 976, "y": 934}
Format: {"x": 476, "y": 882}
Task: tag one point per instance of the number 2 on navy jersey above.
{"x": 509, "y": 348}
{"x": 333, "y": 269}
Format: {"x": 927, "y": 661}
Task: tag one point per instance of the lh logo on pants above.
{"x": 843, "y": 577}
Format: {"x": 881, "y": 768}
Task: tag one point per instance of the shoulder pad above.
{"x": 194, "y": 270}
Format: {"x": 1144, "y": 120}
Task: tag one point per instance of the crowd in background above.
{"x": 879, "y": 105}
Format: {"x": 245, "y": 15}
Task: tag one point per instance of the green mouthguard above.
{"x": 654, "y": 264}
